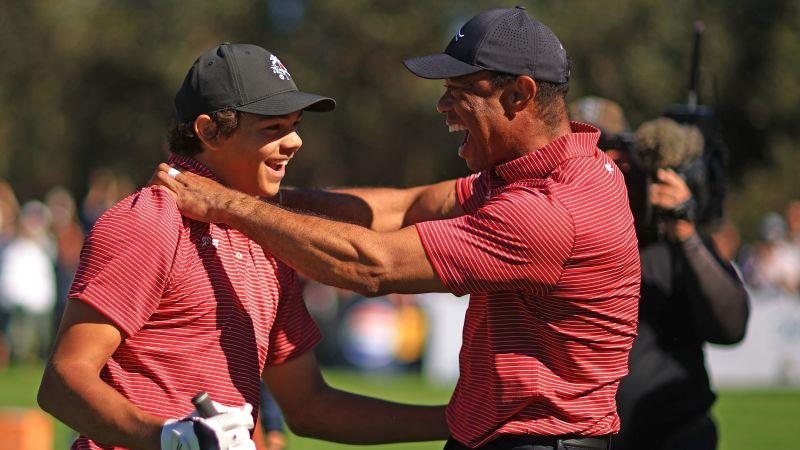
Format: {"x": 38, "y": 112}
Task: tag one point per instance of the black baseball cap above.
{"x": 503, "y": 40}
{"x": 246, "y": 78}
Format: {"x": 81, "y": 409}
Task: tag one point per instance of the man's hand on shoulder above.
{"x": 197, "y": 197}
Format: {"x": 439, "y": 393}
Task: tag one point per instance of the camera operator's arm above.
{"x": 719, "y": 302}
{"x": 720, "y": 305}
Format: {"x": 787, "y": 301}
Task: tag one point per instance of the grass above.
{"x": 746, "y": 419}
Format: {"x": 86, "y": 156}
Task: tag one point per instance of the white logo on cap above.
{"x": 459, "y": 35}
{"x": 278, "y": 68}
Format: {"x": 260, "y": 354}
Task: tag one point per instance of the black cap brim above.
{"x": 287, "y": 103}
{"x": 439, "y": 66}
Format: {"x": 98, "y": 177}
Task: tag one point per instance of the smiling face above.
{"x": 472, "y": 104}
{"x": 253, "y": 159}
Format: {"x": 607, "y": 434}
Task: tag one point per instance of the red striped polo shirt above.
{"x": 201, "y": 306}
{"x": 547, "y": 251}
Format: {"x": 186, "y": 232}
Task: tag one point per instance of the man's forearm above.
{"x": 381, "y": 209}
{"x": 85, "y": 403}
{"x": 353, "y": 419}
{"x": 335, "y": 253}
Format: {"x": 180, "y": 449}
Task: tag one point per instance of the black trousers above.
{"x": 698, "y": 434}
{"x": 537, "y": 443}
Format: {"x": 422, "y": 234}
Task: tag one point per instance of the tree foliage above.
{"x": 87, "y": 83}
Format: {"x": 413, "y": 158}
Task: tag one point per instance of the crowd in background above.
{"x": 40, "y": 244}
{"x": 773, "y": 263}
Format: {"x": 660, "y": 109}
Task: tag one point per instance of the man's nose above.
{"x": 445, "y": 103}
{"x": 291, "y": 143}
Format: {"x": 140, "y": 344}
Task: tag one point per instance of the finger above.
{"x": 667, "y": 176}
{"x": 167, "y": 181}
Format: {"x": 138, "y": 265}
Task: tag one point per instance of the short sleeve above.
{"x": 471, "y": 191}
{"x": 519, "y": 240}
{"x": 127, "y": 258}
{"x": 294, "y": 332}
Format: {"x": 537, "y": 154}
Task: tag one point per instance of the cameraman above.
{"x": 689, "y": 294}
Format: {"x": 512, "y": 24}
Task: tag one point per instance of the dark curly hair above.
{"x": 183, "y": 140}
{"x": 551, "y": 98}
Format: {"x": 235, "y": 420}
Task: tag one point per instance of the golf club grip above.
{"x": 202, "y": 401}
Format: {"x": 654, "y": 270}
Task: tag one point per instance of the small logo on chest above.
{"x": 205, "y": 241}
{"x": 609, "y": 168}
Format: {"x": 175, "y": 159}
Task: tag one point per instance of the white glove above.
{"x": 225, "y": 431}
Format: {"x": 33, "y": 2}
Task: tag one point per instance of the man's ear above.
{"x": 519, "y": 94}
{"x": 206, "y": 130}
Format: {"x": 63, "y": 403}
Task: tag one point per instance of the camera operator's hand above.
{"x": 671, "y": 193}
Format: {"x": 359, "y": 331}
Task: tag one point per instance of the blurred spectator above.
{"x": 28, "y": 285}
{"x": 9, "y": 210}
{"x": 600, "y": 112}
{"x": 793, "y": 222}
{"x": 272, "y": 423}
{"x": 69, "y": 240}
{"x": 726, "y": 239}
{"x": 105, "y": 189}
{"x": 412, "y": 329}
{"x": 323, "y": 304}
{"x": 774, "y": 263}
{"x": 445, "y": 312}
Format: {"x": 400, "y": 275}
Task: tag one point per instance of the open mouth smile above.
{"x": 458, "y": 128}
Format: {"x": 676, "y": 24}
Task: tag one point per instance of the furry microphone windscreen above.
{"x": 664, "y": 143}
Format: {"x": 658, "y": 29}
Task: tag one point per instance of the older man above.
{"x": 541, "y": 237}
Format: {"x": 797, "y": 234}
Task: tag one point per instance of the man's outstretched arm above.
{"x": 335, "y": 253}
{"x": 314, "y": 409}
{"x": 381, "y": 209}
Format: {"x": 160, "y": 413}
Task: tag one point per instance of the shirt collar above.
{"x": 192, "y": 165}
{"x": 580, "y": 142}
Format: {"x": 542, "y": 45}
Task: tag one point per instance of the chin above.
{"x": 475, "y": 166}
{"x": 270, "y": 190}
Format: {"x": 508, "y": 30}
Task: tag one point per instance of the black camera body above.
{"x": 704, "y": 175}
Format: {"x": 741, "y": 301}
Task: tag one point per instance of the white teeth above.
{"x": 455, "y": 127}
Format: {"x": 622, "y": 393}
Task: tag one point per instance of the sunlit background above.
{"x": 86, "y": 90}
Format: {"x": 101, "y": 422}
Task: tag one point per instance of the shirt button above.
{"x": 238, "y": 255}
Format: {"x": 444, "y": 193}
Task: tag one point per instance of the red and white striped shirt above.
{"x": 201, "y": 306}
{"x": 548, "y": 252}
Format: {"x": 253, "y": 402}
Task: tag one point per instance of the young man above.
{"x": 541, "y": 237}
{"x": 164, "y": 306}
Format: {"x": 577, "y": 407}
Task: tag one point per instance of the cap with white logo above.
{"x": 503, "y": 40}
{"x": 246, "y": 78}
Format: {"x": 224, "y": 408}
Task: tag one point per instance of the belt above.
{"x": 529, "y": 442}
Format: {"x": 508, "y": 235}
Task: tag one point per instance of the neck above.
{"x": 207, "y": 159}
{"x": 533, "y": 134}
